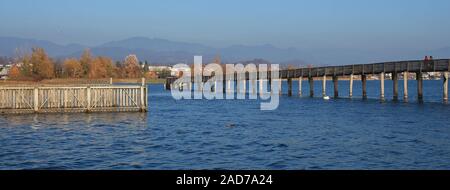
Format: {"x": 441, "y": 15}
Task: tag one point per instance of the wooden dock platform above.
{"x": 82, "y": 98}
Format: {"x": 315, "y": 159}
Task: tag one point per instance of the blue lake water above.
{"x": 303, "y": 133}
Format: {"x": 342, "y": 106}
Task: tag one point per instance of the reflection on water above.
{"x": 38, "y": 121}
{"x": 303, "y": 133}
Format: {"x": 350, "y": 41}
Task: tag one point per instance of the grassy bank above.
{"x": 69, "y": 81}
{"x": 138, "y": 80}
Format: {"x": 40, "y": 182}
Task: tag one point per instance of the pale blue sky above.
{"x": 361, "y": 24}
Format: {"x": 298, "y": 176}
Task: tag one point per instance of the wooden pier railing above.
{"x": 108, "y": 98}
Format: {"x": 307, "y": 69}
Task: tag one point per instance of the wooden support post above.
{"x": 336, "y": 87}
{"x": 395, "y": 85}
{"x": 65, "y": 98}
{"x": 143, "y": 96}
{"x": 36, "y": 99}
{"x": 200, "y": 86}
{"x": 261, "y": 85}
{"x": 168, "y": 84}
{"x": 289, "y": 81}
{"x": 350, "y": 93}
{"x": 280, "y": 85}
{"x": 110, "y": 81}
{"x": 324, "y": 86}
{"x": 269, "y": 86}
{"x": 364, "y": 86}
{"x": 405, "y": 86}
{"x": 229, "y": 86}
{"x": 311, "y": 86}
{"x": 224, "y": 85}
{"x": 244, "y": 87}
{"x": 445, "y": 78}
{"x": 300, "y": 80}
{"x": 254, "y": 86}
{"x": 419, "y": 86}
{"x": 88, "y": 99}
{"x": 382, "y": 86}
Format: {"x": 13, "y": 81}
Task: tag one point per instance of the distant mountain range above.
{"x": 155, "y": 50}
{"x": 162, "y": 51}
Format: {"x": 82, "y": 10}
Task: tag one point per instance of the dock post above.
{"x": 36, "y": 99}
{"x": 143, "y": 95}
{"x": 405, "y": 86}
{"x": 238, "y": 86}
{"x": 261, "y": 84}
{"x": 382, "y": 86}
{"x": 445, "y": 77}
{"x": 289, "y": 81}
{"x": 224, "y": 84}
{"x": 324, "y": 86}
{"x": 280, "y": 85}
{"x": 200, "y": 86}
{"x": 245, "y": 86}
{"x": 350, "y": 93}
{"x": 88, "y": 99}
{"x": 311, "y": 87}
{"x": 254, "y": 86}
{"x": 419, "y": 86}
{"x": 229, "y": 86}
{"x": 300, "y": 80}
{"x": 364, "y": 86}
{"x": 269, "y": 86}
{"x": 336, "y": 90}
{"x": 395, "y": 85}
{"x": 110, "y": 81}
{"x": 190, "y": 86}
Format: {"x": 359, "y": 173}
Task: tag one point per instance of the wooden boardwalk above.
{"x": 359, "y": 71}
{"x": 83, "y": 98}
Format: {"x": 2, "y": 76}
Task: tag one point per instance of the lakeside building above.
{"x": 4, "y": 71}
{"x": 178, "y": 71}
{"x": 174, "y": 71}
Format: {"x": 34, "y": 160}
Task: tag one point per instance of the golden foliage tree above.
{"x": 132, "y": 69}
{"x": 72, "y": 68}
{"x": 101, "y": 67}
{"x": 14, "y": 72}
{"x": 85, "y": 61}
{"x": 217, "y": 60}
{"x": 23, "y": 63}
{"x": 43, "y": 66}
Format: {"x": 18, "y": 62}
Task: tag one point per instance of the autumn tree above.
{"x": 290, "y": 67}
{"x": 85, "y": 62}
{"x": 101, "y": 67}
{"x": 146, "y": 65}
{"x": 43, "y": 67}
{"x": 72, "y": 68}
{"x": 165, "y": 73}
{"x": 22, "y": 61}
{"x": 14, "y": 72}
{"x": 132, "y": 68}
{"x": 217, "y": 60}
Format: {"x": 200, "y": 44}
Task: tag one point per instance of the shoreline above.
{"x": 69, "y": 81}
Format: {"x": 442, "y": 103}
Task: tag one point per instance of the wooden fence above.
{"x": 107, "y": 98}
